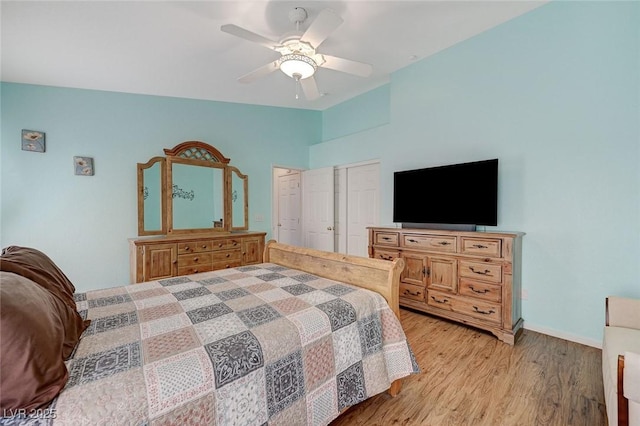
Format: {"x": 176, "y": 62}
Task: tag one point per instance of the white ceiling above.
{"x": 176, "y": 48}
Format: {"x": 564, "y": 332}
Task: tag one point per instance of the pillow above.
{"x": 32, "y": 371}
{"x": 39, "y": 268}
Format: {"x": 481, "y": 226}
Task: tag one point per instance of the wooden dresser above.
{"x": 155, "y": 258}
{"x": 468, "y": 277}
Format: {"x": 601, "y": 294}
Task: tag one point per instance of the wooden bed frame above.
{"x": 381, "y": 276}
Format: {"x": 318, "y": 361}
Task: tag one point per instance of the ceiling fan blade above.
{"x": 248, "y": 35}
{"x": 346, "y": 65}
{"x": 310, "y": 88}
{"x": 260, "y": 72}
{"x": 326, "y": 22}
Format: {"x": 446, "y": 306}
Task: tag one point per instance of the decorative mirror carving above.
{"x": 191, "y": 190}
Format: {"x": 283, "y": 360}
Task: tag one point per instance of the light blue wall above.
{"x": 84, "y": 223}
{"x": 555, "y": 95}
{"x": 366, "y": 111}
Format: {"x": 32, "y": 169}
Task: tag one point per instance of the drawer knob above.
{"x": 480, "y": 246}
{"x": 486, "y": 271}
{"x": 204, "y": 246}
{"x": 385, "y": 238}
{"x": 186, "y": 248}
{"x": 480, "y": 311}
{"x": 235, "y": 243}
{"x": 483, "y": 291}
{"x": 382, "y": 256}
{"x": 411, "y": 240}
{"x": 444, "y": 243}
{"x": 195, "y": 259}
{"x": 220, "y": 245}
{"x": 228, "y": 255}
{"x": 417, "y": 293}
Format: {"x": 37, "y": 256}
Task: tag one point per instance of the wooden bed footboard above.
{"x": 377, "y": 275}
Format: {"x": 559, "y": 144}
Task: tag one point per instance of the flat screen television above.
{"x": 458, "y": 194}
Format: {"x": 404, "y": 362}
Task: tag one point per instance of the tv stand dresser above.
{"x": 468, "y": 277}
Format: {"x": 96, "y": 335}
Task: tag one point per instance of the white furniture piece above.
{"x": 621, "y": 361}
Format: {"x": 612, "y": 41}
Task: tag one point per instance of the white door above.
{"x": 288, "y": 223}
{"x": 362, "y": 206}
{"x": 317, "y": 213}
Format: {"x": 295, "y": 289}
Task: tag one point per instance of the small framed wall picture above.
{"x": 33, "y": 141}
{"x": 83, "y": 166}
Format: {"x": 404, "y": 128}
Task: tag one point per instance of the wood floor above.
{"x": 471, "y": 378}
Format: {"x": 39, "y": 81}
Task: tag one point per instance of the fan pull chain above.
{"x": 297, "y": 78}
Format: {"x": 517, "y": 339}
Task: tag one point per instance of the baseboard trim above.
{"x": 562, "y": 335}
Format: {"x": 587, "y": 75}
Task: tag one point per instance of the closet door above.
{"x": 318, "y": 205}
{"x": 363, "y": 206}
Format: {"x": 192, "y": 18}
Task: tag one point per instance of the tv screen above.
{"x": 465, "y": 193}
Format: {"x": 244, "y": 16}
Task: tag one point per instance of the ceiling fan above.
{"x": 298, "y": 56}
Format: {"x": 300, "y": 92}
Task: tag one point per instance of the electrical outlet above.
{"x": 524, "y": 294}
{"x": 258, "y": 217}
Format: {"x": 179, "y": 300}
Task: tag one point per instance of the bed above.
{"x": 295, "y": 340}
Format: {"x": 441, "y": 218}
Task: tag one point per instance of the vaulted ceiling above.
{"x": 176, "y": 48}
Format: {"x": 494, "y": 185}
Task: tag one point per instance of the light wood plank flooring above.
{"x": 471, "y": 378}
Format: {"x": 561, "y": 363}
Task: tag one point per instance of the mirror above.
{"x": 239, "y": 203}
{"x": 151, "y": 197}
{"x": 197, "y": 197}
{"x": 192, "y": 189}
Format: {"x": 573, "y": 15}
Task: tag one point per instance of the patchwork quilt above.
{"x": 252, "y": 345}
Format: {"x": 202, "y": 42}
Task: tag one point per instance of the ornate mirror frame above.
{"x": 144, "y": 192}
{"x": 234, "y": 188}
{"x": 239, "y": 195}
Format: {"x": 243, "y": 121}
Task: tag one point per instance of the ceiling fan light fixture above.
{"x": 297, "y": 66}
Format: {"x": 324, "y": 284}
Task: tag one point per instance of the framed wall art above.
{"x": 33, "y": 140}
{"x": 83, "y": 166}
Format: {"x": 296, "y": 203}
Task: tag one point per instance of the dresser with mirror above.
{"x": 193, "y": 215}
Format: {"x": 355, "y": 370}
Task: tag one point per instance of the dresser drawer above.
{"x": 226, "y": 244}
{"x": 440, "y": 300}
{"x": 491, "y": 272}
{"x": 233, "y": 263}
{"x": 226, "y": 255}
{"x": 441, "y": 243}
{"x": 386, "y": 238}
{"x": 194, "y": 269}
{"x": 475, "y": 308}
{"x": 480, "y": 290}
{"x": 385, "y": 254}
{"x": 414, "y": 292}
{"x": 487, "y": 311}
{"x": 194, "y": 259}
{"x": 490, "y": 247}
{"x": 185, "y": 247}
